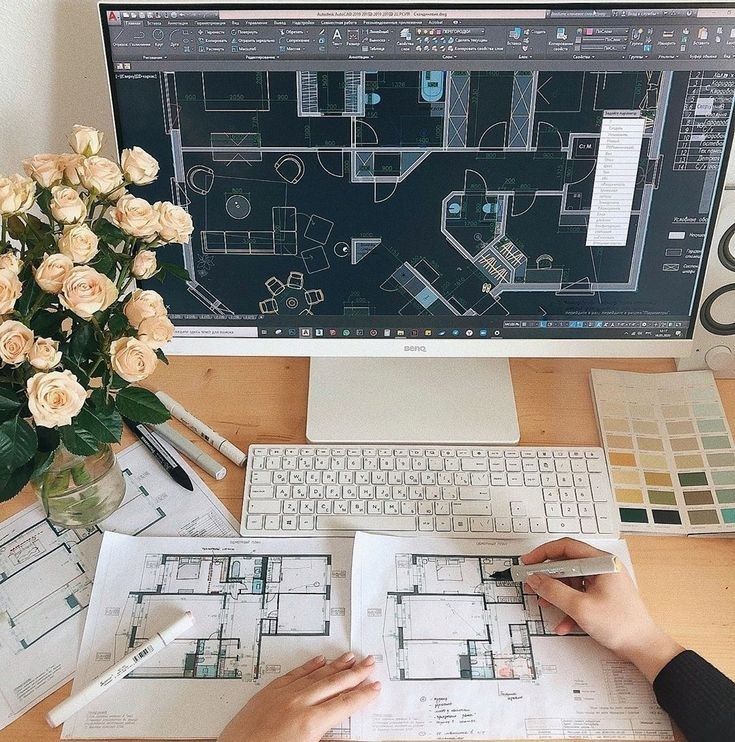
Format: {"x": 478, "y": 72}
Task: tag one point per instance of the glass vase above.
{"x": 79, "y": 491}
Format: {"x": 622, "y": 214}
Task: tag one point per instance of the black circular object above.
{"x": 705, "y": 313}
{"x": 725, "y": 254}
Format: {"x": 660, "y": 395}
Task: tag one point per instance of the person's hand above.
{"x": 305, "y": 703}
{"x": 607, "y": 607}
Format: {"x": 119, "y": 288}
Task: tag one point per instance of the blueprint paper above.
{"x": 462, "y": 656}
{"x": 261, "y": 607}
{"x": 46, "y": 574}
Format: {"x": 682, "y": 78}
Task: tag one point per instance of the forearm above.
{"x": 652, "y": 651}
{"x": 698, "y": 697}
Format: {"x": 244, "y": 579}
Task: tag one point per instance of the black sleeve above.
{"x": 698, "y": 697}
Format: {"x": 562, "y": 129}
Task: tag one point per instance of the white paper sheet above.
{"x": 46, "y": 574}
{"x": 261, "y": 607}
{"x": 462, "y": 656}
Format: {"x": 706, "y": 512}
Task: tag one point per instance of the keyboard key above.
{"x": 460, "y": 524}
{"x": 254, "y": 523}
{"x": 366, "y": 523}
{"x": 260, "y": 477}
{"x": 553, "y": 510}
{"x": 443, "y": 524}
{"x": 603, "y": 511}
{"x": 474, "y": 493}
{"x": 272, "y": 522}
{"x": 589, "y": 525}
{"x": 324, "y": 507}
{"x": 503, "y": 525}
{"x": 341, "y": 507}
{"x": 306, "y": 507}
{"x": 481, "y": 525}
{"x": 375, "y": 507}
{"x": 426, "y": 508}
{"x": 479, "y": 479}
{"x": 520, "y": 525}
{"x": 471, "y": 508}
{"x": 291, "y": 507}
{"x": 408, "y": 508}
{"x": 357, "y": 507}
{"x": 392, "y": 508}
{"x": 426, "y": 524}
{"x": 515, "y": 479}
{"x": 586, "y": 510}
{"x": 518, "y": 509}
{"x": 442, "y": 508}
{"x": 569, "y": 509}
{"x": 306, "y": 523}
{"x": 263, "y": 507}
{"x": 260, "y": 492}
{"x": 289, "y": 523}
{"x": 538, "y": 525}
{"x": 474, "y": 464}
{"x": 563, "y": 525}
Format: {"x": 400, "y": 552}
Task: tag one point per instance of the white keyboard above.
{"x": 468, "y": 492}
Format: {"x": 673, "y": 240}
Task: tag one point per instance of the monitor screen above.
{"x": 380, "y": 172}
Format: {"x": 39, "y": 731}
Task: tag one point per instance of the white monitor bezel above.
{"x": 188, "y": 345}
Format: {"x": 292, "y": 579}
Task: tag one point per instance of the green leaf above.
{"x": 108, "y": 232}
{"x": 117, "y": 323}
{"x": 117, "y": 382}
{"x": 9, "y": 403}
{"x": 105, "y": 263}
{"x": 16, "y": 227}
{"x": 141, "y": 406}
{"x": 175, "y": 270}
{"x": 48, "y": 438}
{"x": 47, "y": 325}
{"x": 41, "y": 462}
{"x": 18, "y": 443}
{"x": 161, "y": 356}
{"x": 12, "y": 481}
{"x": 82, "y": 342}
{"x": 103, "y": 422}
{"x": 78, "y": 441}
{"x": 32, "y": 292}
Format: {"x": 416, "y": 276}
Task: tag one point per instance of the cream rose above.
{"x": 85, "y": 140}
{"x": 46, "y": 169}
{"x": 79, "y": 243}
{"x": 135, "y": 216}
{"x": 138, "y": 166}
{"x": 144, "y": 264}
{"x": 44, "y": 354}
{"x": 55, "y": 398}
{"x": 17, "y": 193}
{"x": 52, "y": 272}
{"x": 142, "y": 305}
{"x": 66, "y": 205}
{"x": 10, "y": 290}
{"x": 132, "y": 359}
{"x": 16, "y": 341}
{"x": 71, "y": 164}
{"x": 175, "y": 223}
{"x": 100, "y": 175}
{"x": 85, "y": 291}
{"x": 156, "y": 331}
{"x": 11, "y": 262}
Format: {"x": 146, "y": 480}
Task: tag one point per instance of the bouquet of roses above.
{"x": 75, "y": 333}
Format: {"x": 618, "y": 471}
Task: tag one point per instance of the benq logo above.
{"x": 414, "y": 348}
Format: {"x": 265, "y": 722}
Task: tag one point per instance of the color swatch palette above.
{"x": 669, "y": 451}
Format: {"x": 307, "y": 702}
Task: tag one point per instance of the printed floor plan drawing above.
{"x": 449, "y": 619}
{"x": 523, "y": 193}
{"x": 46, "y": 571}
{"x": 239, "y": 601}
{"x": 46, "y": 574}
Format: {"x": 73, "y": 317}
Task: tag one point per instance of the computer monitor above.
{"x": 426, "y": 179}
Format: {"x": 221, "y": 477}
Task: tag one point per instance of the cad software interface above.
{"x": 535, "y": 173}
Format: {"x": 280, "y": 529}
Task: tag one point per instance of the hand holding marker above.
{"x": 220, "y": 443}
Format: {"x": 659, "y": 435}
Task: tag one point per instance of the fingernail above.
{"x": 319, "y": 659}
{"x": 347, "y": 657}
{"x": 369, "y": 660}
{"x": 533, "y": 581}
{"x": 377, "y": 685}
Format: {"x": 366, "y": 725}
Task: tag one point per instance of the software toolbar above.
{"x": 206, "y": 36}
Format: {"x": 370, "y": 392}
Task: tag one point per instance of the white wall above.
{"x": 52, "y": 76}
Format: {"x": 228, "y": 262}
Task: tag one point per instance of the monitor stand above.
{"x": 411, "y": 400}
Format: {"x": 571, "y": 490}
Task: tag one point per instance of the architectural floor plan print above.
{"x": 450, "y": 619}
{"x": 261, "y": 607}
{"x": 442, "y": 192}
{"x": 239, "y": 602}
{"x": 462, "y": 655}
{"x": 46, "y": 574}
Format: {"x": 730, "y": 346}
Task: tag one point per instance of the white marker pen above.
{"x": 177, "y": 410}
{"x": 192, "y": 452}
{"x": 601, "y": 565}
{"x": 59, "y": 714}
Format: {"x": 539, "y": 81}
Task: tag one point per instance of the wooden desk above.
{"x": 688, "y": 584}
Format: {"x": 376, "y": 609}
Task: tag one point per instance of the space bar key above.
{"x": 365, "y": 523}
